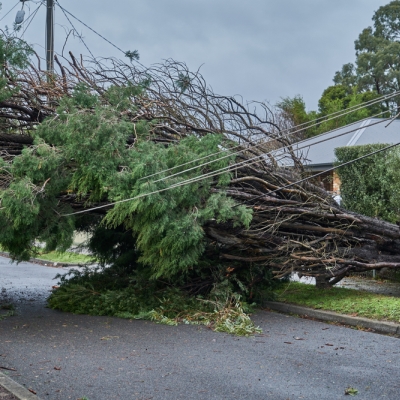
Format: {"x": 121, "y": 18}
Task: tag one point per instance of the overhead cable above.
{"x": 327, "y": 170}
{"x": 290, "y": 133}
{"x": 214, "y": 173}
{"x": 257, "y": 145}
{"x": 9, "y": 11}
{"x": 226, "y": 169}
{"x": 79, "y": 36}
{"x": 87, "y": 26}
{"x": 257, "y": 158}
{"x": 32, "y": 17}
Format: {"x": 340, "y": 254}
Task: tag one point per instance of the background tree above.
{"x": 372, "y": 185}
{"x": 375, "y": 73}
{"x": 377, "y": 67}
{"x": 336, "y": 99}
{"x": 293, "y": 110}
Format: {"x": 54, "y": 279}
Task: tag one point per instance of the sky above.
{"x": 262, "y": 50}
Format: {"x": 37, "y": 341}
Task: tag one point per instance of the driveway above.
{"x": 65, "y": 356}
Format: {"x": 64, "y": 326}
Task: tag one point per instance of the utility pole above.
{"x": 50, "y": 37}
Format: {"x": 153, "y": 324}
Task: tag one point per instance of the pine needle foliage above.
{"x": 89, "y": 157}
{"x": 169, "y": 224}
{"x": 118, "y": 291}
{"x": 149, "y": 248}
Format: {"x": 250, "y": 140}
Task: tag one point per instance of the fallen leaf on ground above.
{"x": 351, "y": 391}
{"x": 109, "y": 337}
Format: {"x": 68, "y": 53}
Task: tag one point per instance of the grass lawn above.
{"x": 341, "y": 300}
{"x": 67, "y": 257}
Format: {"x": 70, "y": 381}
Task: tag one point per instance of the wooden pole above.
{"x": 50, "y": 37}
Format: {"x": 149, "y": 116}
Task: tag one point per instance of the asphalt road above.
{"x": 65, "y": 356}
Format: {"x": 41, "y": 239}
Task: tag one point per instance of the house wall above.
{"x": 336, "y": 183}
{"x": 330, "y": 181}
{"x": 326, "y": 180}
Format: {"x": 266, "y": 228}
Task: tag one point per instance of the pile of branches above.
{"x": 296, "y": 227}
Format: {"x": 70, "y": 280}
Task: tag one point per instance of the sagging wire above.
{"x": 208, "y": 176}
{"x": 135, "y": 54}
{"x": 323, "y": 172}
{"x": 290, "y": 133}
{"x": 32, "y": 17}
{"x": 9, "y": 12}
{"x": 77, "y": 34}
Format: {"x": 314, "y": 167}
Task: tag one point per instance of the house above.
{"x": 318, "y": 152}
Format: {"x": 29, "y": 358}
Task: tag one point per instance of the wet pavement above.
{"x": 64, "y": 356}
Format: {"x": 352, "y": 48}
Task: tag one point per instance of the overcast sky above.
{"x": 260, "y": 49}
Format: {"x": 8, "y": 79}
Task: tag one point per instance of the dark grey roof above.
{"x": 371, "y": 131}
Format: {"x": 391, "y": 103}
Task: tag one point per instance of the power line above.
{"x": 268, "y": 153}
{"x": 229, "y": 168}
{"x": 87, "y": 26}
{"x": 209, "y": 175}
{"x": 256, "y": 159}
{"x": 80, "y": 36}
{"x": 290, "y": 133}
{"x": 9, "y": 11}
{"x": 327, "y": 170}
{"x": 205, "y": 176}
{"x": 32, "y": 16}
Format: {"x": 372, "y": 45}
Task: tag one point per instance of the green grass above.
{"x": 67, "y": 257}
{"x": 341, "y": 300}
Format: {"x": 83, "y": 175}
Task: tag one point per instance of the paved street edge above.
{"x": 378, "y": 326}
{"x": 16, "y": 389}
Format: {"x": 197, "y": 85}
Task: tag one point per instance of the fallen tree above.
{"x": 211, "y": 198}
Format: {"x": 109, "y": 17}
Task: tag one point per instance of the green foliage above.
{"x": 82, "y": 152}
{"x": 294, "y": 110}
{"x": 132, "y": 55}
{"x": 168, "y": 223}
{"x": 350, "y": 391}
{"x": 14, "y": 52}
{"x": 152, "y": 249}
{"x": 370, "y": 186}
{"x": 346, "y": 77}
{"x": 340, "y": 98}
{"x": 183, "y": 82}
{"x": 126, "y": 293}
{"x": 335, "y": 99}
{"x": 14, "y": 55}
